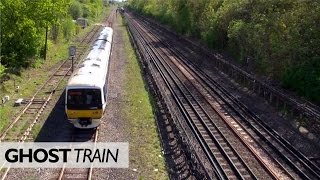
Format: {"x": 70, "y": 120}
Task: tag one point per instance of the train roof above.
{"x": 92, "y": 71}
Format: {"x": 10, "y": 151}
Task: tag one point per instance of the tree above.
{"x": 23, "y": 26}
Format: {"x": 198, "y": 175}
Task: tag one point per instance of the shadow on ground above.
{"x": 56, "y": 127}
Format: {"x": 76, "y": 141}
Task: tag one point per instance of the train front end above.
{"x": 84, "y": 107}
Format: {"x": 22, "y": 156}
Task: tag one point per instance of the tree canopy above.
{"x": 24, "y": 23}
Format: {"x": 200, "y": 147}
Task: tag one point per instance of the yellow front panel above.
{"x": 93, "y": 114}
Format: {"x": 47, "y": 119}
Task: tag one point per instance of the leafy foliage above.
{"x": 76, "y": 10}
{"x": 68, "y": 28}
{"x": 281, "y": 37}
{"x": 23, "y": 28}
{"x": 2, "y": 69}
{"x": 24, "y": 24}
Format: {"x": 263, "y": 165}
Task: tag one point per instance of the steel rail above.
{"x": 309, "y": 165}
{"x": 205, "y": 125}
{"x": 309, "y": 108}
{"x": 218, "y": 169}
{"x": 235, "y": 131}
{"x": 88, "y": 175}
{"x": 197, "y": 168}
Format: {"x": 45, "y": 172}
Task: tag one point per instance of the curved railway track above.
{"x": 197, "y": 94}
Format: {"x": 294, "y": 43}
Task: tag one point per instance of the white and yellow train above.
{"x": 86, "y": 92}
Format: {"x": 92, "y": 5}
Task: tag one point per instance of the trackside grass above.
{"x": 145, "y": 154}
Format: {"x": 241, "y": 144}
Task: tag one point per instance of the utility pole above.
{"x": 46, "y": 44}
{"x": 46, "y": 40}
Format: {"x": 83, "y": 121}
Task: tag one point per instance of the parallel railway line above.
{"x": 212, "y": 139}
{"x": 272, "y": 138}
{"x": 199, "y": 121}
{"x": 248, "y": 120}
{"x": 305, "y": 108}
{"x": 285, "y": 161}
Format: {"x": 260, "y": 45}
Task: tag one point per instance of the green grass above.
{"x": 145, "y": 149}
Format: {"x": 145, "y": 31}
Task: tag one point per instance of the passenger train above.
{"x": 86, "y": 91}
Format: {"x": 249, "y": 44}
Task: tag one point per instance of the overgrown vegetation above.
{"x": 280, "y": 38}
{"x": 24, "y": 24}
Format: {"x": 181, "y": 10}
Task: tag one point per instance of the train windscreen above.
{"x": 84, "y": 99}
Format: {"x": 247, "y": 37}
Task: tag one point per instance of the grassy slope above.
{"x": 145, "y": 149}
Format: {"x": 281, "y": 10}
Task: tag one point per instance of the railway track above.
{"x": 306, "y": 108}
{"x": 34, "y": 107}
{"x": 274, "y": 144}
{"x": 221, "y": 154}
{"x": 197, "y": 94}
{"x": 84, "y": 135}
{"x": 80, "y": 135}
{"x": 178, "y": 150}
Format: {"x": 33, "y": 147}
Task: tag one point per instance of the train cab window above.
{"x": 84, "y": 98}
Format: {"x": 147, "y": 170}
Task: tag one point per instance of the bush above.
{"x": 76, "y": 10}
{"x": 86, "y": 11}
{"x": 305, "y": 79}
{"x": 68, "y": 28}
